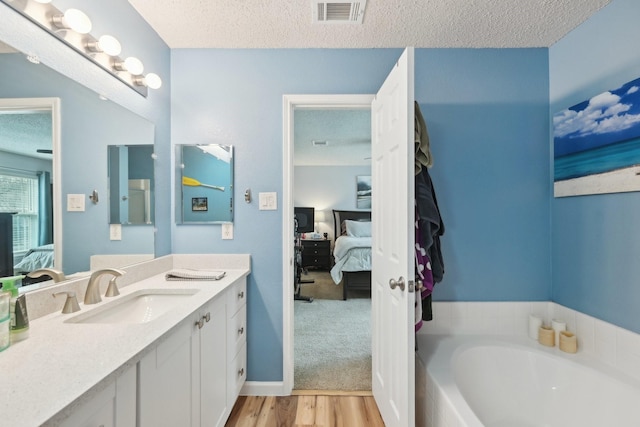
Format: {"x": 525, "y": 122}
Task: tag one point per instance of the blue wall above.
{"x": 595, "y": 238}
{"x": 487, "y": 115}
{"x": 487, "y": 112}
{"x": 235, "y": 97}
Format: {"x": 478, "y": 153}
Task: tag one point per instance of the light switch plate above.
{"x": 75, "y": 202}
{"x": 227, "y": 231}
{"x": 115, "y": 232}
{"x": 268, "y": 201}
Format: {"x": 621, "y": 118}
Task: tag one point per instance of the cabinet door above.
{"x": 98, "y": 411}
{"x": 165, "y": 381}
{"x": 213, "y": 365}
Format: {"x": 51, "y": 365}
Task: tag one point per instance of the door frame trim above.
{"x": 51, "y": 104}
{"x": 291, "y": 102}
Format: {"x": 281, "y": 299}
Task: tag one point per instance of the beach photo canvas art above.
{"x": 363, "y": 192}
{"x": 597, "y": 144}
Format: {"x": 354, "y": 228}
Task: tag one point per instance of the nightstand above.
{"x": 316, "y": 253}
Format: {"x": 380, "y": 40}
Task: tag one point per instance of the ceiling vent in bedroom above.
{"x": 338, "y": 12}
{"x": 320, "y": 143}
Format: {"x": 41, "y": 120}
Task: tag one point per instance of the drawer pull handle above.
{"x": 200, "y": 323}
{"x": 240, "y": 294}
{"x": 207, "y": 316}
{"x": 241, "y": 372}
{"x": 241, "y": 331}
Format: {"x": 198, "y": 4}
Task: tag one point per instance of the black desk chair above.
{"x": 298, "y": 270}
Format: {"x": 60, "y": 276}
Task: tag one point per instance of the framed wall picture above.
{"x": 199, "y": 204}
{"x": 597, "y": 144}
{"x": 363, "y": 191}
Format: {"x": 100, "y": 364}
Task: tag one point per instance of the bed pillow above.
{"x": 358, "y": 228}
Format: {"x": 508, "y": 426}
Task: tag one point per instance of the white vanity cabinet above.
{"x": 236, "y": 339}
{"x": 191, "y": 378}
{"x": 113, "y": 406}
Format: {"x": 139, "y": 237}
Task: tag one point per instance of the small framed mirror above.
{"x": 131, "y": 184}
{"x": 205, "y": 180}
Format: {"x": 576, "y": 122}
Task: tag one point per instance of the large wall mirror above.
{"x": 205, "y": 179}
{"x": 131, "y": 184}
{"x": 87, "y": 125}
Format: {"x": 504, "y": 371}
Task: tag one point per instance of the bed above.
{"x": 40, "y": 257}
{"x": 352, "y": 250}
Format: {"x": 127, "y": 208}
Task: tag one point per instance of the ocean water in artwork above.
{"x": 607, "y": 158}
{"x": 601, "y": 134}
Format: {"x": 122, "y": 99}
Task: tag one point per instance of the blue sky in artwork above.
{"x": 606, "y": 118}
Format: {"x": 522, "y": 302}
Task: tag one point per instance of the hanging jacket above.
{"x": 430, "y": 222}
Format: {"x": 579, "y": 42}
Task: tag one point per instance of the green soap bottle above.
{"x": 17, "y": 308}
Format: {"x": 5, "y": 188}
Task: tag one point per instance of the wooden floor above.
{"x": 305, "y": 410}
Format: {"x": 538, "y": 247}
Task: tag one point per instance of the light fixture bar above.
{"x": 73, "y": 28}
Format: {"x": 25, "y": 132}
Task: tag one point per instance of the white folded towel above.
{"x": 188, "y": 274}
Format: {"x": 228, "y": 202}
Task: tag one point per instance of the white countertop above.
{"x": 61, "y": 364}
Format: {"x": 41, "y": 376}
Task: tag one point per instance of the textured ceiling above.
{"x": 25, "y": 132}
{"x": 347, "y": 134}
{"x": 387, "y": 23}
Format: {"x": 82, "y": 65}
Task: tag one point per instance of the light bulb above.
{"x": 153, "y": 81}
{"x": 44, "y": 1}
{"x": 134, "y": 65}
{"x": 73, "y": 19}
{"x": 107, "y": 44}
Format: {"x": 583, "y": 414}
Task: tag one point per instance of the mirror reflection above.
{"x": 206, "y": 183}
{"x": 131, "y": 184}
{"x": 26, "y": 185}
{"x": 86, "y": 126}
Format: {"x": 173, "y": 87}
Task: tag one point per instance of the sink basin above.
{"x": 141, "y": 306}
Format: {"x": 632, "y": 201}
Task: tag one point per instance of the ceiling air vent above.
{"x": 317, "y": 143}
{"x": 334, "y": 12}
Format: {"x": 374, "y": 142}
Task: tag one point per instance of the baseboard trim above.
{"x": 331, "y": 393}
{"x": 263, "y": 388}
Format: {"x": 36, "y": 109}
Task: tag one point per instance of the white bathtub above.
{"x": 475, "y": 380}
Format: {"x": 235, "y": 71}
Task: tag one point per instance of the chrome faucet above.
{"x": 56, "y": 275}
{"x": 92, "y": 295}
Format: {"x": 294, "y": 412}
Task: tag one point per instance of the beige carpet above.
{"x": 332, "y": 338}
{"x": 325, "y": 288}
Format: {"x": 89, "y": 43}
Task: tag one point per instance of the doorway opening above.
{"x": 30, "y": 166}
{"x": 300, "y": 165}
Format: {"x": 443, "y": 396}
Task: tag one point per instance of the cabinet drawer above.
{"x": 316, "y": 261}
{"x": 237, "y": 334}
{"x": 237, "y": 296}
{"x": 311, "y": 246}
{"x": 238, "y": 371}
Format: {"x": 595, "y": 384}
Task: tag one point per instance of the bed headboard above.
{"x": 340, "y": 216}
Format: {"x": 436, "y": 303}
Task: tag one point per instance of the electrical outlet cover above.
{"x": 227, "y": 231}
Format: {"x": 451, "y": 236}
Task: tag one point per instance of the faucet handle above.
{"x": 56, "y": 275}
{"x": 71, "y": 303}
{"x": 112, "y": 289}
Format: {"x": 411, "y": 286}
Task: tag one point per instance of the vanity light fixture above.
{"x": 72, "y": 19}
{"x": 73, "y": 28}
{"x": 107, "y": 44}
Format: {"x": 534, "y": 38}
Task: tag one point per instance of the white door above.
{"x": 393, "y": 336}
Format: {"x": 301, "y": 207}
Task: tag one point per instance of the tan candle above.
{"x": 546, "y": 336}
